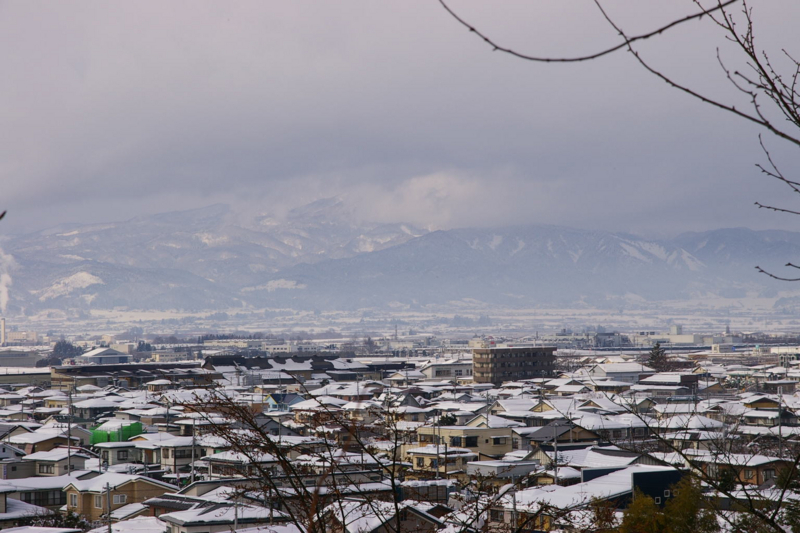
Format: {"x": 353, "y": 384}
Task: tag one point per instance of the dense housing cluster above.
{"x": 504, "y": 437}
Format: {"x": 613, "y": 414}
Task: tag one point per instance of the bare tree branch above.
{"x": 621, "y": 46}
{"x": 773, "y": 276}
{"x": 770, "y": 84}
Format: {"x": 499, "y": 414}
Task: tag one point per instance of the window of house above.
{"x": 657, "y": 499}
{"x": 73, "y": 499}
{"x": 98, "y": 502}
{"x": 165, "y": 453}
{"x": 420, "y": 461}
{"x": 46, "y": 469}
{"x": 749, "y": 473}
{"x": 455, "y": 441}
{"x": 769, "y": 474}
{"x": 120, "y": 498}
{"x": 496, "y": 515}
{"x": 498, "y": 441}
{"x": 471, "y": 442}
{"x": 122, "y": 455}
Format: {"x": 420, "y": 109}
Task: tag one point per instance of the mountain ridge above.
{"x": 319, "y": 256}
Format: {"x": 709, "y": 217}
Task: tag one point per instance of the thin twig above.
{"x": 497, "y": 47}
{"x": 762, "y": 271}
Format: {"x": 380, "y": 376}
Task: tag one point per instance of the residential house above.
{"x": 627, "y": 372}
{"x": 448, "y": 369}
{"x": 445, "y": 460}
{"x": 488, "y": 442}
{"x": 115, "y": 453}
{"x": 57, "y": 462}
{"x": 42, "y": 441}
{"x": 220, "y": 517}
{"x": 232, "y": 464}
{"x": 753, "y": 469}
{"x": 95, "y": 497}
{"x": 44, "y": 491}
{"x": 381, "y": 517}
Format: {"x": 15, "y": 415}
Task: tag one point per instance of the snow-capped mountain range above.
{"x": 320, "y": 257}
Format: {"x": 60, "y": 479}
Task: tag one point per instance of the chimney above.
{"x": 2, "y": 331}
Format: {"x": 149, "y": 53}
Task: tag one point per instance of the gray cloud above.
{"x": 112, "y": 110}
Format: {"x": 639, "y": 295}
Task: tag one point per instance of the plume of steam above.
{"x": 6, "y": 265}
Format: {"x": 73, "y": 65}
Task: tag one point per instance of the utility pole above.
{"x": 194, "y": 420}
{"x": 445, "y": 460}
{"x": 108, "y": 506}
{"x": 271, "y": 506}
{"x": 438, "y": 441}
{"x": 69, "y": 432}
{"x": 555, "y": 451}
{"x": 514, "y": 503}
{"x": 780, "y": 422}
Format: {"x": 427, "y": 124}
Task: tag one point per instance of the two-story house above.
{"x": 94, "y": 498}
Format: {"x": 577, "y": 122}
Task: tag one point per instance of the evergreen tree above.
{"x": 64, "y": 348}
{"x": 657, "y": 359}
{"x": 144, "y": 347}
{"x": 448, "y": 420}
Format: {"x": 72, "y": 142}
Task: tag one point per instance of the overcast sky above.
{"x": 113, "y": 109}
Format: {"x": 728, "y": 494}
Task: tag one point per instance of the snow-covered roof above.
{"x": 432, "y": 449}
{"x": 358, "y": 516}
{"x": 56, "y": 454}
{"x": 98, "y": 484}
{"x": 222, "y": 514}
{"x": 613, "y": 485}
{"x": 241, "y": 458}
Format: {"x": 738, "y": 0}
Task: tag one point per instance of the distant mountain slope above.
{"x": 740, "y": 246}
{"x": 531, "y": 265}
{"x": 211, "y": 249}
{"x": 318, "y": 256}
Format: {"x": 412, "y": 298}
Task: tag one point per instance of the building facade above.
{"x": 498, "y": 364}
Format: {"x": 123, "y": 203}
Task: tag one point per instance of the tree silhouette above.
{"x": 657, "y": 359}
